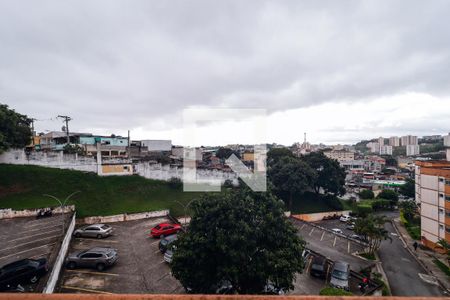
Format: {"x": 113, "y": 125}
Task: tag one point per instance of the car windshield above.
{"x": 105, "y": 227}
{"x": 340, "y": 274}
{"x": 317, "y": 267}
{"x": 158, "y": 227}
{"x": 110, "y": 253}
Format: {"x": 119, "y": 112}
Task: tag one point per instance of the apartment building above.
{"x": 433, "y": 195}
{"x": 394, "y": 141}
{"x": 412, "y": 150}
{"x": 386, "y": 150}
{"x": 381, "y": 141}
{"x": 340, "y": 155}
{"x": 409, "y": 140}
{"x": 374, "y": 147}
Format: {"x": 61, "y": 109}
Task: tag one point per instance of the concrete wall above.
{"x": 429, "y": 182}
{"x": 319, "y": 216}
{"x": 54, "y": 275}
{"x": 429, "y": 196}
{"x": 8, "y": 213}
{"x": 51, "y": 160}
{"x": 124, "y": 217}
{"x": 160, "y": 172}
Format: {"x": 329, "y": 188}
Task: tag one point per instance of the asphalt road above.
{"x": 403, "y": 270}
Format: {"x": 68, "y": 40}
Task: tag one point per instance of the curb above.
{"x": 419, "y": 261}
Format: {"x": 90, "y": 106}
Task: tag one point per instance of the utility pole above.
{"x": 32, "y": 130}
{"x": 66, "y": 119}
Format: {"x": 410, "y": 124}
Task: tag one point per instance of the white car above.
{"x": 337, "y": 230}
{"x": 344, "y": 218}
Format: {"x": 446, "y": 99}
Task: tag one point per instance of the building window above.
{"x": 441, "y": 195}
{"x": 447, "y": 182}
{"x": 447, "y": 198}
{"x": 447, "y": 229}
{"x": 441, "y": 180}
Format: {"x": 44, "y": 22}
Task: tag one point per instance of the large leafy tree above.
{"x": 15, "y": 131}
{"x": 276, "y": 154}
{"x": 239, "y": 237}
{"x": 409, "y": 188}
{"x": 330, "y": 175}
{"x": 372, "y": 228}
{"x": 290, "y": 177}
{"x": 390, "y": 195}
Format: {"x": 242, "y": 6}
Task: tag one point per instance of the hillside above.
{"x": 23, "y": 187}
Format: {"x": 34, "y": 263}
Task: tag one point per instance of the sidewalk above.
{"x": 424, "y": 257}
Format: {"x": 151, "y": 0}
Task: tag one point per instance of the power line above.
{"x": 66, "y": 119}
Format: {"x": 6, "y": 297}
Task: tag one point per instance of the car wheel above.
{"x": 99, "y": 236}
{"x": 77, "y": 235}
{"x": 34, "y": 279}
{"x": 100, "y": 267}
{"x": 72, "y": 265}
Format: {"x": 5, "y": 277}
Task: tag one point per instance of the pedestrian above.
{"x": 415, "y": 246}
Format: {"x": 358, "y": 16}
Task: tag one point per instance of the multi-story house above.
{"x": 433, "y": 195}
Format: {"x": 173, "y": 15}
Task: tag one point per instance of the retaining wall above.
{"x": 54, "y": 275}
{"x": 319, "y": 216}
{"x": 8, "y": 213}
{"x": 124, "y": 217}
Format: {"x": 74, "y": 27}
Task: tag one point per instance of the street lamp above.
{"x": 185, "y": 206}
{"x": 62, "y": 204}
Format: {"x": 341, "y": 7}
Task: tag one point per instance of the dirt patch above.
{"x": 14, "y": 189}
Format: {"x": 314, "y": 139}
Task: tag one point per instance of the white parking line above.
{"x": 302, "y": 226}
{"x": 86, "y": 290}
{"x": 312, "y": 230}
{"x": 155, "y": 242}
{"x": 47, "y": 238}
{"x": 90, "y": 272}
{"x": 348, "y": 247}
{"x": 323, "y": 233}
{"x": 106, "y": 240}
{"x": 334, "y": 243}
{"x": 28, "y": 250}
{"x": 30, "y": 236}
{"x": 157, "y": 251}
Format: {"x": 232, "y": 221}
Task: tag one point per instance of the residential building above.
{"x": 409, "y": 140}
{"x": 381, "y": 141}
{"x": 412, "y": 150}
{"x": 178, "y": 153}
{"x": 374, "y": 163}
{"x": 248, "y": 156}
{"x": 157, "y": 145}
{"x": 432, "y": 180}
{"x": 110, "y": 146}
{"x": 386, "y": 150}
{"x": 394, "y": 141}
{"x": 340, "y": 155}
{"x": 431, "y": 138}
{"x": 374, "y": 147}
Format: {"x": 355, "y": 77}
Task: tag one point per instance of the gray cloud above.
{"x": 123, "y": 64}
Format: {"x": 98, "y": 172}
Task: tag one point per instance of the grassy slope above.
{"x": 22, "y": 187}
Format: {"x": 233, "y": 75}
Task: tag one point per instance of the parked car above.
{"x": 95, "y": 230}
{"x": 97, "y": 257}
{"x": 164, "y": 229}
{"x": 168, "y": 255}
{"x": 166, "y": 242}
{"x": 21, "y": 272}
{"x": 350, "y": 226}
{"x": 318, "y": 267}
{"x": 344, "y": 218}
{"x": 340, "y": 275}
{"x": 336, "y": 230}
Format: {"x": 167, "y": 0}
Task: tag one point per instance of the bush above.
{"x": 364, "y": 209}
{"x": 442, "y": 266}
{"x": 366, "y": 194}
{"x": 381, "y": 204}
{"x": 175, "y": 183}
{"x": 333, "y": 202}
{"x": 389, "y": 195}
{"x": 329, "y": 291}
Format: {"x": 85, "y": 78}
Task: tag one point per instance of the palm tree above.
{"x": 372, "y": 228}
{"x": 446, "y": 246}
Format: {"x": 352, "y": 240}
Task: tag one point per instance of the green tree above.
{"x": 409, "y": 188}
{"x": 290, "y": 177}
{"x": 240, "y": 237}
{"x": 372, "y": 228}
{"x": 409, "y": 208}
{"x": 390, "y": 195}
{"x": 330, "y": 175}
{"x": 15, "y": 131}
{"x": 276, "y": 154}
{"x": 366, "y": 194}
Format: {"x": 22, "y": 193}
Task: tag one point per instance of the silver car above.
{"x": 340, "y": 275}
{"x": 95, "y": 230}
{"x": 97, "y": 257}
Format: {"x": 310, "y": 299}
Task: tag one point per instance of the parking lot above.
{"x": 22, "y": 238}
{"x": 139, "y": 269}
{"x": 332, "y": 246}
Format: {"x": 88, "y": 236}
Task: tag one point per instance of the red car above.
{"x": 164, "y": 229}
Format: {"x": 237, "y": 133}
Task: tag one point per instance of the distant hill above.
{"x": 23, "y": 187}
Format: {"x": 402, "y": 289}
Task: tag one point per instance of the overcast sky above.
{"x": 339, "y": 70}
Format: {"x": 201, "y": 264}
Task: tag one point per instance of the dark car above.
{"x": 21, "y": 272}
{"x": 165, "y": 243}
{"x": 318, "y": 267}
{"x": 98, "y": 258}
